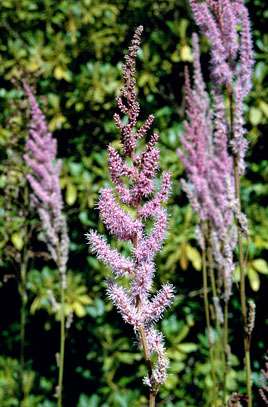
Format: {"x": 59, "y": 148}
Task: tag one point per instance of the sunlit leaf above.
{"x": 71, "y": 194}
{"x": 260, "y": 265}
{"x": 17, "y": 240}
{"x": 254, "y": 279}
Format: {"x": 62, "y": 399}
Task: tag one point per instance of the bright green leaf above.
{"x": 254, "y": 279}
{"x": 255, "y": 116}
{"x": 79, "y": 309}
{"x": 260, "y": 265}
{"x": 17, "y": 240}
{"x": 188, "y": 347}
{"x": 71, "y": 194}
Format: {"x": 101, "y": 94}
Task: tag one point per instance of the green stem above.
{"x": 241, "y": 258}
{"x": 225, "y": 344}
{"x": 214, "y": 294}
{"x": 23, "y": 295}
{"x": 62, "y": 346}
{"x": 22, "y": 289}
{"x": 152, "y": 400}
{"x": 243, "y": 291}
{"x": 211, "y": 274}
{"x": 205, "y": 287}
{"x": 152, "y": 395}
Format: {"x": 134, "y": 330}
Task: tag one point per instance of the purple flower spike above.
{"x": 41, "y": 158}
{"x": 134, "y": 180}
{"x": 209, "y": 167}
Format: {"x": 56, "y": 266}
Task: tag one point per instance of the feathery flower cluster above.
{"x": 263, "y": 383}
{"x": 231, "y": 56}
{"x": 41, "y": 158}
{"x": 134, "y": 185}
{"x": 208, "y": 167}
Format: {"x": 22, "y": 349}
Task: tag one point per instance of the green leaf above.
{"x": 187, "y": 347}
{"x": 171, "y": 382}
{"x": 264, "y": 107}
{"x": 79, "y": 309}
{"x": 260, "y": 265}
{"x": 194, "y": 256}
{"x": 71, "y": 194}
{"x": 128, "y": 357}
{"x": 255, "y": 116}
{"x": 254, "y": 279}
{"x": 17, "y": 240}
{"x": 186, "y": 53}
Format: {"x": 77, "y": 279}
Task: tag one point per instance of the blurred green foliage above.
{"x": 73, "y": 50}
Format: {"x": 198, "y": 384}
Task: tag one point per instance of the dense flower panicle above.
{"x": 159, "y": 303}
{"x": 143, "y": 281}
{"x": 115, "y": 218}
{"x": 263, "y": 382}
{"x": 152, "y": 243}
{"x": 246, "y": 53}
{"x": 125, "y": 304}
{"x": 41, "y": 156}
{"x": 119, "y": 264}
{"x": 231, "y": 56}
{"x": 238, "y": 143}
{"x": 135, "y": 185}
{"x": 155, "y": 342}
{"x": 151, "y": 207}
{"x": 208, "y": 165}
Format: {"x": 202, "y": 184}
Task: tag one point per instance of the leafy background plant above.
{"x": 71, "y": 50}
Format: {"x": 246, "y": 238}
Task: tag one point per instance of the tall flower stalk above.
{"x": 44, "y": 180}
{"x": 134, "y": 180}
{"x": 208, "y": 166}
{"x": 214, "y": 173}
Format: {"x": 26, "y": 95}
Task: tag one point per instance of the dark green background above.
{"x": 71, "y": 52}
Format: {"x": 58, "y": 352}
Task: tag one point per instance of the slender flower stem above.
{"x": 211, "y": 274}
{"x": 214, "y": 294}
{"x": 206, "y": 303}
{"x": 225, "y": 344}
{"x": 241, "y": 260}
{"x": 243, "y": 294}
{"x": 22, "y": 290}
{"x": 62, "y": 339}
{"x": 62, "y": 347}
{"x": 152, "y": 400}
{"x": 138, "y": 302}
{"x": 23, "y": 294}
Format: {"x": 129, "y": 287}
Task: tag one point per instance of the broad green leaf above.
{"x": 187, "y": 347}
{"x": 186, "y": 53}
{"x": 71, "y": 194}
{"x": 128, "y": 357}
{"x": 171, "y": 382}
{"x": 260, "y": 265}
{"x": 264, "y": 107}
{"x": 255, "y": 116}
{"x": 17, "y": 240}
{"x": 176, "y": 367}
{"x": 184, "y": 257}
{"x": 84, "y": 299}
{"x": 254, "y": 279}
{"x": 79, "y": 309}
{"x": 194, "y": 256}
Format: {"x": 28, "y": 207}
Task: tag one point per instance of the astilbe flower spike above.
{"x": 217, "y": 201}
{"x": 41, "y": 150}
{"x": 263, "y": 382}
{"x": 134, "y": 185}
{"x": 231, "y": 57}
{"x": 209, "y": 167}
{"x": 41, "y": 157}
